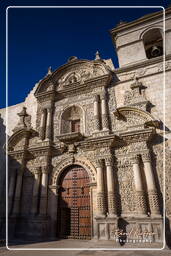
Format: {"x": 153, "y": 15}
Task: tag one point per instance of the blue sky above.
{"x": 39, "y": 38}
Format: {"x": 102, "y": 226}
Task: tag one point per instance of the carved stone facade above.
{"x": 91, "y": 115}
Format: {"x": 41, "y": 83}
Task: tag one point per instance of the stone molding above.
{"x": 85, "y": 163}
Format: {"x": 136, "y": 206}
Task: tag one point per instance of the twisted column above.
{"x": 105, "y": 121}
{"x": 43, "y": 124}
{"x": 110, "y": 188}
{"x": 151, "y": 187}
{"x": 37, "y": 173}
{"x": 44, "y": 186}
{"x": 101, "y": 207}
{"x": 11, "y": 190}
{"x": 96, "y": 113}
{"x": 140, "y": 195}
{"x": 16, "y": 208}
{"x": 49, "y": 124}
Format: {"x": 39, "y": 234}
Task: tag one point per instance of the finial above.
{"x": 97, "y": 56}
{"x": 49, "y": 71}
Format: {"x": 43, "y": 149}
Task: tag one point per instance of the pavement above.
{"x": 84, "y": 248}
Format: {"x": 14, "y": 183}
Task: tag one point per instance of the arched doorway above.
{"x": 74, "y": 220}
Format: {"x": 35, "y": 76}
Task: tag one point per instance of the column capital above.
{"x": 37, "y": 170}
{"x": 135, "y": 159}
{"x": 96, "y": 98}
{"x": 45, "y": 169}
{"x": 99, "y": 163}
{"x": 146, "y": 157}
{"x": 103, "y": 95}
{"x": 49, "y": 109}
{"x": 109, "y": 161}
{"x": 43, "y": 110}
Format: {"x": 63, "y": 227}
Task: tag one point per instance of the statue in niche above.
{"x": 72, "y": 79}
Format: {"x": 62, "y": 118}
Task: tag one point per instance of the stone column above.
{"x": 49, "y": 124}
{"x": 44, "y": 187}
{"x": 140, "y": 194}
{"x": 36, "y": 187}
{"x": 151, "y": 187}
{"x": 101, "y": 207}
{"x": 96, "y": 113}
{"x": 53, "y": 208}
{"x": 110, "y": 188}
{"x": 11, "y": 191}
{"x": 43, "y": 124}
{"x": 16, "y": 208}
{"x": 105, "y": 121}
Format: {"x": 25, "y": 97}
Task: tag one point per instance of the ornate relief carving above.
{"x": 81, "y": 73}
{"x": 126, "y": 185}
{"x": 140, "y": 202}
{"x": 154, "y": 202}
{"x": 101, "y": 204}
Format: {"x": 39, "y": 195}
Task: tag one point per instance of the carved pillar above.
{"x": 16, "y": 208}
{"x": 96, "y": 113}
{"x": 49, "y": 124}
{"x": 43, "y": 124}
{"x": 110, "y": 188}
{"x": 151, "y": 187}
{"x": 11, "y": 190}
{"x": 140, "y": 196}
{"x": 105, "y": 121}
{"x": 101, "y": 207}
{"x": 37, "y": 174}
{"x": 44, "y": 186}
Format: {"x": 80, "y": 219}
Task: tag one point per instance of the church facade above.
{"x": 86, "y": 153}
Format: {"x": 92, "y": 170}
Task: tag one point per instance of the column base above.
{"x": 100, "y": 216}
{"x": 155, "y": 215}
{"x": 112, "y": 215}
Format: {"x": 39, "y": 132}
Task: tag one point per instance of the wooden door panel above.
{"x": 74, "y": 204}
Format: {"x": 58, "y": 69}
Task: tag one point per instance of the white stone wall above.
{"x": 129, "y": 42}
{"x": 154, "y": 93}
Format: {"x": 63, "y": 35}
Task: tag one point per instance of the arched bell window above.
{"x": 153, "y": 43}
{"x": 71, "y": 120}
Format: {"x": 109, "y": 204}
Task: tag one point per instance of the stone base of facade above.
{"x": 130, "y": 229}
{"x": 29, "y": 228}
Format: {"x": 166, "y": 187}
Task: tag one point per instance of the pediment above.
{"x": 17, "y": 140}
{"x": 131, "y": 118}
{"x": 75, "y": 72}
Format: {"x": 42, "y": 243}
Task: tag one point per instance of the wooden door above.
{"x": 74, "y": 204}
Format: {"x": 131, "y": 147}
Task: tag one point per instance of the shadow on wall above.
{"x": 159, "y": 141}
{"x": 2, "y": 179}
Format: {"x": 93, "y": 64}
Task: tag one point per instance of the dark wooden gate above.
{"x": 74, "y": 204}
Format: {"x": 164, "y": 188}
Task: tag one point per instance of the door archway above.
{"x": 74, "y": 218}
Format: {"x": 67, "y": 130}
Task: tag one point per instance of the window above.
{"x": 71, "y": 120}
{"x": 153, "y": 43}
{"x": 75, "y": 125}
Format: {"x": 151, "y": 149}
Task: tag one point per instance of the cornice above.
{"x": 142, "y": 64}
{"x": 93, "y": 143}
{"x": 87, "y": 86}
{"x": 146, "y": 18}
{"x": 139, "y": 135}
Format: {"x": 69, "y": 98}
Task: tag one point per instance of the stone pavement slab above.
{"x": 75, "y": 243}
